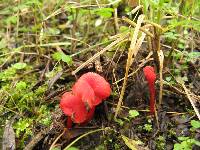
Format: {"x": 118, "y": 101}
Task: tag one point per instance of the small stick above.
{"x": 54, "y": 142}
{"x": 190, "y": 99}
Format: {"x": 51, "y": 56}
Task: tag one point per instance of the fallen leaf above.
{"x": 134, "y": 144}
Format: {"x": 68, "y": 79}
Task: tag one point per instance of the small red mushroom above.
{"x": 83, "y": 90}
{"x": 100, "y": 88}
{"x": 74, "y": 108}
{"x": 89, "y": 116}
{"x": 87, "y": 92}
{"x": 150, "y": 76}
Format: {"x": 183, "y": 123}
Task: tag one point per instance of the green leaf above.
{"x": 195, "y": 124}
{"x": 169, "y": 78}
{"x": 19, "y": 66}
{"x": 61, "y": 56}
{"x": 177, "y": 146}
{"x": 119, "y": 121}
{"x": 148, "y": 127}
{"x": 196, "y": 142}
{"x": 11, "y": 20}
{"x": 56, "y": 148}
{"x": 57, "y": 56}
{"x": 104, "y": 12}
{"x": 133, "y": 113}
{"x": 72, "y": 148}
{"x": 52, "y": 31}
{"x": 182, "y": 138}
{"x": 67, "y": 59}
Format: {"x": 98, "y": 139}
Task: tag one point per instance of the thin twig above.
{"x": 99, "y": 53}
{"x": 77, "y": 139}
{"x": 134, "y": 25}
{"x": 191, "y": 101}
{"x": 161, "y": 61}
{"x": 54, "y": 142}
{"x": 144, "y": 61}
{"x": 116, "y": 20}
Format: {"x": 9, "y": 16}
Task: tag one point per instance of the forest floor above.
{"x": 45, "y": 46}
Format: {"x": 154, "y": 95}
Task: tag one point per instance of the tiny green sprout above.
{"x": 58, "y": 56}
{"x": 148, "y": 127}
{"x": 133, "y": 114}
{"x": 160, "y": 143}
{"x": 21, "y": 85}
{"x": 19, "y": 66}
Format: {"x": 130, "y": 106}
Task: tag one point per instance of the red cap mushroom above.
{"x": 150, "y": 76}
{"x": 74, "y": 108}
{"x": 89, "y": 90}
{"x": 100, "y": 88}
{"x": 83, "y": 90}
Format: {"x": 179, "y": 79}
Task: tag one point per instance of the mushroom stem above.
{"x": 152, "y": 98}
{"x": 69, "y": 122}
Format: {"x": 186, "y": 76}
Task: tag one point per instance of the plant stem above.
{"x": 152, "y": 98}
{"x": 77, "y": 139}
{"x": 69, "y": 122}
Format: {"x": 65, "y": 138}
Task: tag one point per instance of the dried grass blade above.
{"x": 132, "y": 51}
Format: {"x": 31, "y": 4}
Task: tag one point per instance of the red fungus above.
{"x": 89, "y": 90}
{"x": 83, "y": 90}
{"x": 74, "y": 108}
{"x": 100, "y": 87}
{"x": 89, "y": 116}
{"x": 151, "y": 77}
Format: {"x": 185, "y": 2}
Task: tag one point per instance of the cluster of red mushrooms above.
{"x": 90, "y": 90}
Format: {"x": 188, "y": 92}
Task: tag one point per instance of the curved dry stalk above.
{"x": 190, "y": 99}
{"x": 133, "y": 50}
{"x": 136, "y": 9}
{"x": 134, "y": 25}
{"x": 54, "y": 142}
{"x": 161, "y": 60}
{"x": 143, "y": 62}
{"x": 80, "y": 137}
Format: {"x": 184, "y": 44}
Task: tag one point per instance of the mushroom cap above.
{"x": 74, "y": 107}
{"x": 149, "y": 74}
{"x": 100, "y": 86}
{"x": 83, "y": 90}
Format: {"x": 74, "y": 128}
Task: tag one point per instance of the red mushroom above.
{"x": 100, "y": 88}
{"x": 87, "y": 92}
{"x": 74, "y": 108}
{"x": 150, "y": 76}
{"x": 89, "y": 116}
{"x": 83, "y": 90}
